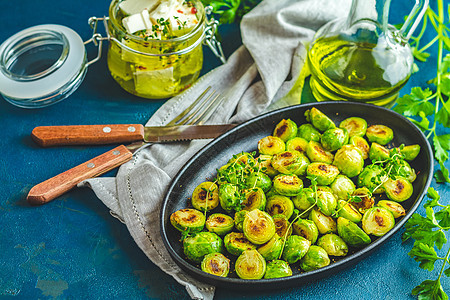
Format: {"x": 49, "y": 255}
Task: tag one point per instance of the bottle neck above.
{"x": 369, "y": 11}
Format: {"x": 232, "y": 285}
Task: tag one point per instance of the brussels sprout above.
{"x": 406, "y": 171}
{"x": 290, "y": 162}
{"x": 334, "y": 138}
{"x": 228, "y": 197}
{"x": 220, "y": 224}
{"x": 285, "y": 130}
{"x": 380, "y": 134}
{"x": 305, "y": 199}
{"x": 367, "y": 201}
{"x": 349, "y": 160}
{"x": 315, "y": 258}
{"x": 333, "y": 244}
{"x": 399, "y": 189}
{"x": 282, "y": 226}
{"x": 395, "y": 208}
{"x": 325, "y": 224}
{"x": 236, "y": 243}
{"x": 316, "y": 153}
{"x": 188, "y": 220}
{"x": 410, "y": 152}
{"x": 265, "y": 165}
{"x": 324, "y": 173}
{"x": 255, "y": 198}
{"x": 361, "y": 144}
{"x": 378, "y": 152}
{"x": 205, "y": 196}
{"x": 243, "y": 159}
{"x": 351, "y": 233}
{"x": 371, "y": 178}
{"x": 280, "y": 205}
{"x": 272, "y": 249}
{"x": 355, "y": 126}
{"x": 202, "y": 243}
{"x": 277, "y": 269}
{"x": 258, "y": 227}
{"x": 378, "y": 221}
{"x": 216, "y": 264}
{"x": 295, "y": 248}
{"x": 306, "y": 229}
{"x": 239, "y": 217}
{"x": 258, "y": 179}
{"x": 326, "y": 201}
{"x": 342, "y": 187}
{"x": 319, "y": 119}
{"x": 298, "y": 144}
{"x": 230, "y": 173}
{"x": 287, "y": 185}
{"x": 271, "y": 193}
{"x": 250, "y": 265}
{"x": 309, "y": 133}
{"x": 271, "y": 145}
{"x": 348, "y": 211}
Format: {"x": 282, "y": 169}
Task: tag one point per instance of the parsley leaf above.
{"x": 415, "y": 102}
{"x": 430, "y": 289}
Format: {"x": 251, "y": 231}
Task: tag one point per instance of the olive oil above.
{"x": 345, "y": 69}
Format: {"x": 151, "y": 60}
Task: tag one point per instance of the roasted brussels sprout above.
{"x": 333, "y": 244}
{"x": 188, "y": 220}
{"x": 250, "y": 265}
{"x": 361, "y": 144}
{"x": 220, "y": 224}
{"x": 315, "y": 258}
{"x": 202, "y": 243}
{"x": 265, "y": 165}
{"x": 316, "y": 153}
{"x": 326, "y": 202}
{"x": 216, "y": 264}
{"x": 342, "y": 187}
{"x": 258, "y": 227}
{"x": 395, "y": 208}
{"x": 405, "y": 171}
{"x": 371, "y": 177}
{"x": 378, "y": 221}
{"x": 305, "y": 199}
{"x": 298, "y": 144}
{"x": 243, "y": 159}
{"x": 287, "y": 185}
{"x": 325, "y": 224}
{"x": 295, "y": 248}
{"x": 230, "y": 173}
{"x": 258, "y": 179}
{"x": 280, "y": 205}
{"x": 380, "y": 134}
{"x": 282, "y": 226}
{"x": 367, "y": 201}
{"x": 273, "y": 248}
{"x": 410, "y": 152}
{"x": 355, "y": 126}
{"x": 378, "y": 152}
{"x": 399, "y": 189}
{"x": 271, "y": 145}
{"x": 348, "y": 211}
{"x": 306, "y": 229}
{"x": 334, "y": 138}
{"x": 351, "y": 233}
{"x": 324, "y": 173}
{"x": 239, "y": 217}
{"x": 290, "y": 162}
{"x": 255, "y": 198}
{"x": 228, "y": 197}
{"x": 309, "y": 133}
{"x": 236, "y": 243}
{"x": 205, "y": 196}
{"x": 349, "y": 160}
{"x": 277, "y": 269}
{"x": 285, "y": 130}
{"x": 318, "y": 119}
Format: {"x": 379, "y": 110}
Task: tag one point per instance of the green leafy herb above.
{"x": 230, "y": 11}
{"x": 429, "y": 234}
{"x": 424, "y": 103}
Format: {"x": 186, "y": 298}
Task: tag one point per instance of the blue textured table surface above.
{"x": 72, "y": 247}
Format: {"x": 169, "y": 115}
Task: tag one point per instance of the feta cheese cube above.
{"x": 137, "y": 22}
{"x": 131, "y": 7}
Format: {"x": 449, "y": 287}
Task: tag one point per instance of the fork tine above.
{"x": 209, "y": 110}
{"x": 189, "y": 109}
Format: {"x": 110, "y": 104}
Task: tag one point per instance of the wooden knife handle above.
{"x": 87, "y": 134}
{"x": 58, "y": 185}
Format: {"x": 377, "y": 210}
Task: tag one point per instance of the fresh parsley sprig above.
{"x": 423, "y": 103}
{"x": 231, "y": 10}
{"x": 429, "y": 233}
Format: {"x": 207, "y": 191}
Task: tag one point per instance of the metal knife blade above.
{"x": 122, "y": 133}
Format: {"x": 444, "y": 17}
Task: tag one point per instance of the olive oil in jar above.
{"x": 345, "y": 69}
